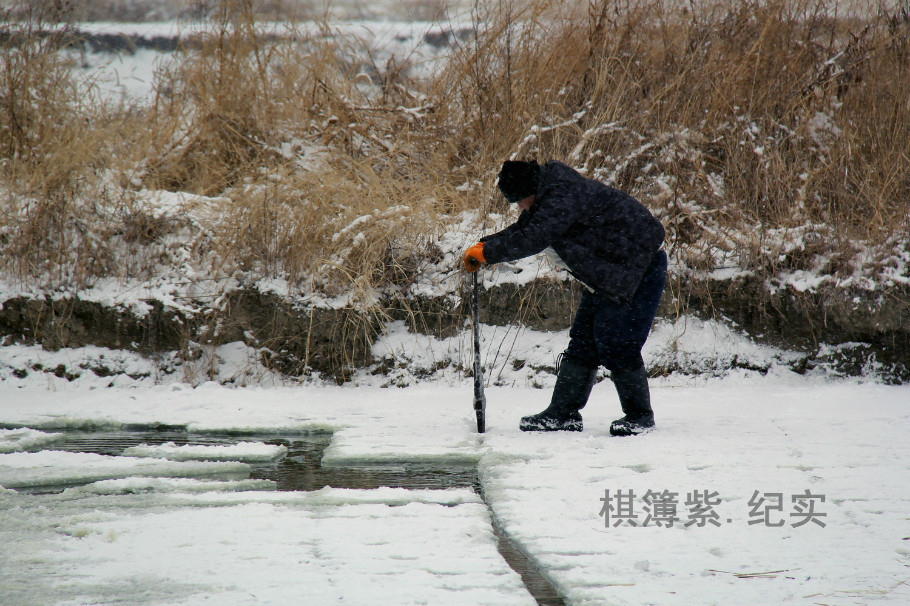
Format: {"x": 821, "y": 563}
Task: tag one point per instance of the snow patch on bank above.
{"x": 93, "y": 367}
{"x": 513, "y": 356}
{"x": 510, "y": 356}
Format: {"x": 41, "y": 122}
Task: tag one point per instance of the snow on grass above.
{"x": 84, "y": 367}
{"x": 519, "y": 356}
{"x": 91, "y": 367}
{"x": 510, "y": 356}
{"x": 692, "y": 346}
{"x": 436, "y": 279}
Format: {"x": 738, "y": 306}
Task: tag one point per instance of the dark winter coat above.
{"x": 605, "y": 236}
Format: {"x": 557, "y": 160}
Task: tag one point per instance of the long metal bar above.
{"x": 480, "y": 399}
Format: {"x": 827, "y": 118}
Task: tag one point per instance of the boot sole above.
{"x": 631, "y": 433}
{"x": 528, "y": 427}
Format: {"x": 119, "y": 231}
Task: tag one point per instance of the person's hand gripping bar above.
{"x": 473, "y": 258}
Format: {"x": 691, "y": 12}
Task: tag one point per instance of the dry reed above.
{"x": 728, "y": 119}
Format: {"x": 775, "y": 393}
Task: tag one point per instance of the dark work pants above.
{"x": 607, "y": 333}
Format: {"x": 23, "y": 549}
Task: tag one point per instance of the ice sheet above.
{"x": 742, "y": 436}
{"x": 250, "y": 452}
{"x": 55, "y": 468}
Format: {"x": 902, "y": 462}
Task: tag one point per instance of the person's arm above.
{"x": 550, "y": 218}
{"x": 523, "y": 218}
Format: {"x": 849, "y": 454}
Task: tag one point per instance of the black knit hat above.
{"x": 518, "y": 179}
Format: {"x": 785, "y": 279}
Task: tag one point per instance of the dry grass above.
{"x": 54, "y": 141}
{"x": 729, "y": 119}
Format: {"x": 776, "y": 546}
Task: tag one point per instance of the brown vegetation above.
{"x": 767, "y": 135}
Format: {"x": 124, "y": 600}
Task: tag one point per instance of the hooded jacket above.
{"x": 605, "y": 237}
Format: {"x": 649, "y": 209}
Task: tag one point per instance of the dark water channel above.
{"x": 302, "y": 470}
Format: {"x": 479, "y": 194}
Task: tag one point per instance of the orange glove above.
{"x": 473, "y": 258}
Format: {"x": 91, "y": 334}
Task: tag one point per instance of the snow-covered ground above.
{"x": 786, "y": 490}
{"x": 781, "y": 488}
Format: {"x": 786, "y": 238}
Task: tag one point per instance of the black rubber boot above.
{"x": 573, "y": 386}
{"x": 635, "y": 399}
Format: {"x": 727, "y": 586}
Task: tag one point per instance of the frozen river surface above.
{"x": 768, "y": 490}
